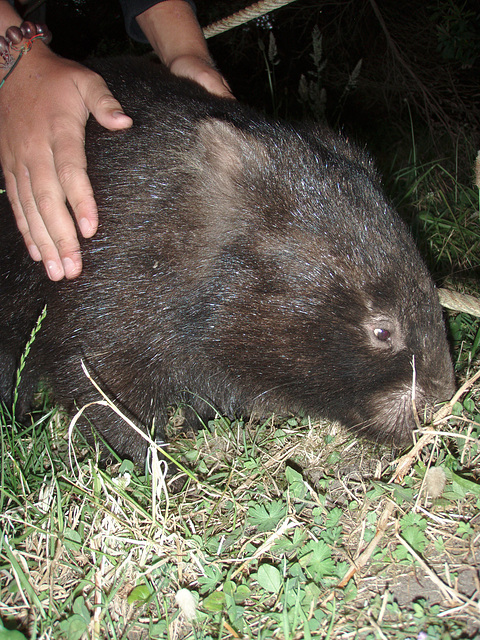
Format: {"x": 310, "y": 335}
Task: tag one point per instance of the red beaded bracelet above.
{"x": 14, "y": 36}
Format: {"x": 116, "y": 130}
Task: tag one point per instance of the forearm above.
{"x": 173, "y": 31}
{"x": 8, "y": 17}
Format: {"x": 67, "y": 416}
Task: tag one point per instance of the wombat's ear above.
{"x": 227, "y": 150}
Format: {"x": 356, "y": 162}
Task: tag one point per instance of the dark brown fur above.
{"x": 253, "y": 266}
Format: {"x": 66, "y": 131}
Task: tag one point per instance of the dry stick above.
{"x": 364, "y": 557}
{"x": 405, "y": 463}
{"x": 403, "y": 466}
{"x": 245, "y": 15}
{"x": 288, "y": 523}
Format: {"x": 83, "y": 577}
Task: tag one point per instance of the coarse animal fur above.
{"x": 240, "y": 264}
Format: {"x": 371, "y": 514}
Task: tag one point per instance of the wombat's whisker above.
{"x": 262, "y": 394}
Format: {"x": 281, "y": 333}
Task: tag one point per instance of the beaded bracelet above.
{"x": 13, "y": 42}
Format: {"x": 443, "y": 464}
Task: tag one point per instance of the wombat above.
{"x": 241, "y": 265}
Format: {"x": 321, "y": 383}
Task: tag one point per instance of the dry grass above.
{"x": 263, "y": 528}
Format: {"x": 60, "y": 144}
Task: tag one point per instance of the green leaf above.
{"x": 242, "y": 593}
{"x": 80, "y": 609}
{"x": 462, "y": 485}
{"x": 269, "y": 578}
{"x": 286, "y": 545}
{"x": 333, "y": 517}
{"x": 229, "y": 587}
{"x": 469, "y": 405}
{"x": 464, "y": 529}
{"x": 140, "y": 594}
{"x": 72, "y": 539}
{"x": 158, "y": 630}
{"x": 333, "y": 458}
{"x": 403, "y": 494}
{"x": 311, "y": 594}
{"x": 8, "y": 634}
{"x": 267, "y": 517}
{"x": 415, "y": 538}
{"x": 209, "y": 581}
{"x": 350, "y": 591}
{"x": 412, "y": 519}
{"x": 74, "y": 627}
{"x": 317, "y": 560}
{"x": 296, "y": 483}
{"x": 215, "y": 602}
{"x": 457, "y": 409}
{"x": 127, "y": 466}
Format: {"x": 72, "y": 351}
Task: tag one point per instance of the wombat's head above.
{"x": 317, "y": 297}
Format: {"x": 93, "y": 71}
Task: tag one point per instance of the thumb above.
{"x": 106, "y": 110}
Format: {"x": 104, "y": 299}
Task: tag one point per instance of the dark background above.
{"x": 420, "y": 64}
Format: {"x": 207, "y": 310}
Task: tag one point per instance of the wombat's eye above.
{"x": 382, "y": 334}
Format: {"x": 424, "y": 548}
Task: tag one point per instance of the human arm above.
{"x": 44, "y": 106}
{"x": 173, "y": 31}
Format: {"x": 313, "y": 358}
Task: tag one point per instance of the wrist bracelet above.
{"x": 13, "y": 42}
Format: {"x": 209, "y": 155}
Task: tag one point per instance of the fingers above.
{"x": 44, "y": 221}
{"x": 215, "y": 83}
{"x": 46, "y": 170}
{"x": 43, "y": 158}
{"x": 106, "y": 110}
{"x": 203, "y": 72}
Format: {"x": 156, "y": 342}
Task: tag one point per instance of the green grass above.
{"x": 445, "y": 216}
{"x": 259, "y": 534}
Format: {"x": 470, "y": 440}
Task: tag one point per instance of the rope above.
{"x": 459, "y": 302}
{"x": 244, "y": 15}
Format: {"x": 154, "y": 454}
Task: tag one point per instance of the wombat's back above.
{"x": 254, "y": 265}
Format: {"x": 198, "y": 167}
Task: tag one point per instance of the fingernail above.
{"x": 85, "y": 227}
{"x": 54, "y": 270}
{"x": 123, "y": 119}
{"x": 70, "y": 267}
{"x": 34, "y": 252}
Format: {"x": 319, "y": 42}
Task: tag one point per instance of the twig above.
{"x": 459, "y": 302}
{"x": 447, "y": 591}
{"x": 289, "y": 523}
{"x": 364, "y": 557}
{"x": 405, "y": 463}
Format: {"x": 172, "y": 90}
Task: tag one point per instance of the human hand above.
{"x": 44, "y": 106}
{"x": 174, "y": 33}
{"x": 203, "y": 72}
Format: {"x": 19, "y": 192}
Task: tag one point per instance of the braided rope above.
{"x": 244, "y": 15}
{"x": 459, "y": 302}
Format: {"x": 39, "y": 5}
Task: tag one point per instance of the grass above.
{"x": 442, "y": 204}
{"x": 284, "y": 529}
{"x": 252, "y": 543}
